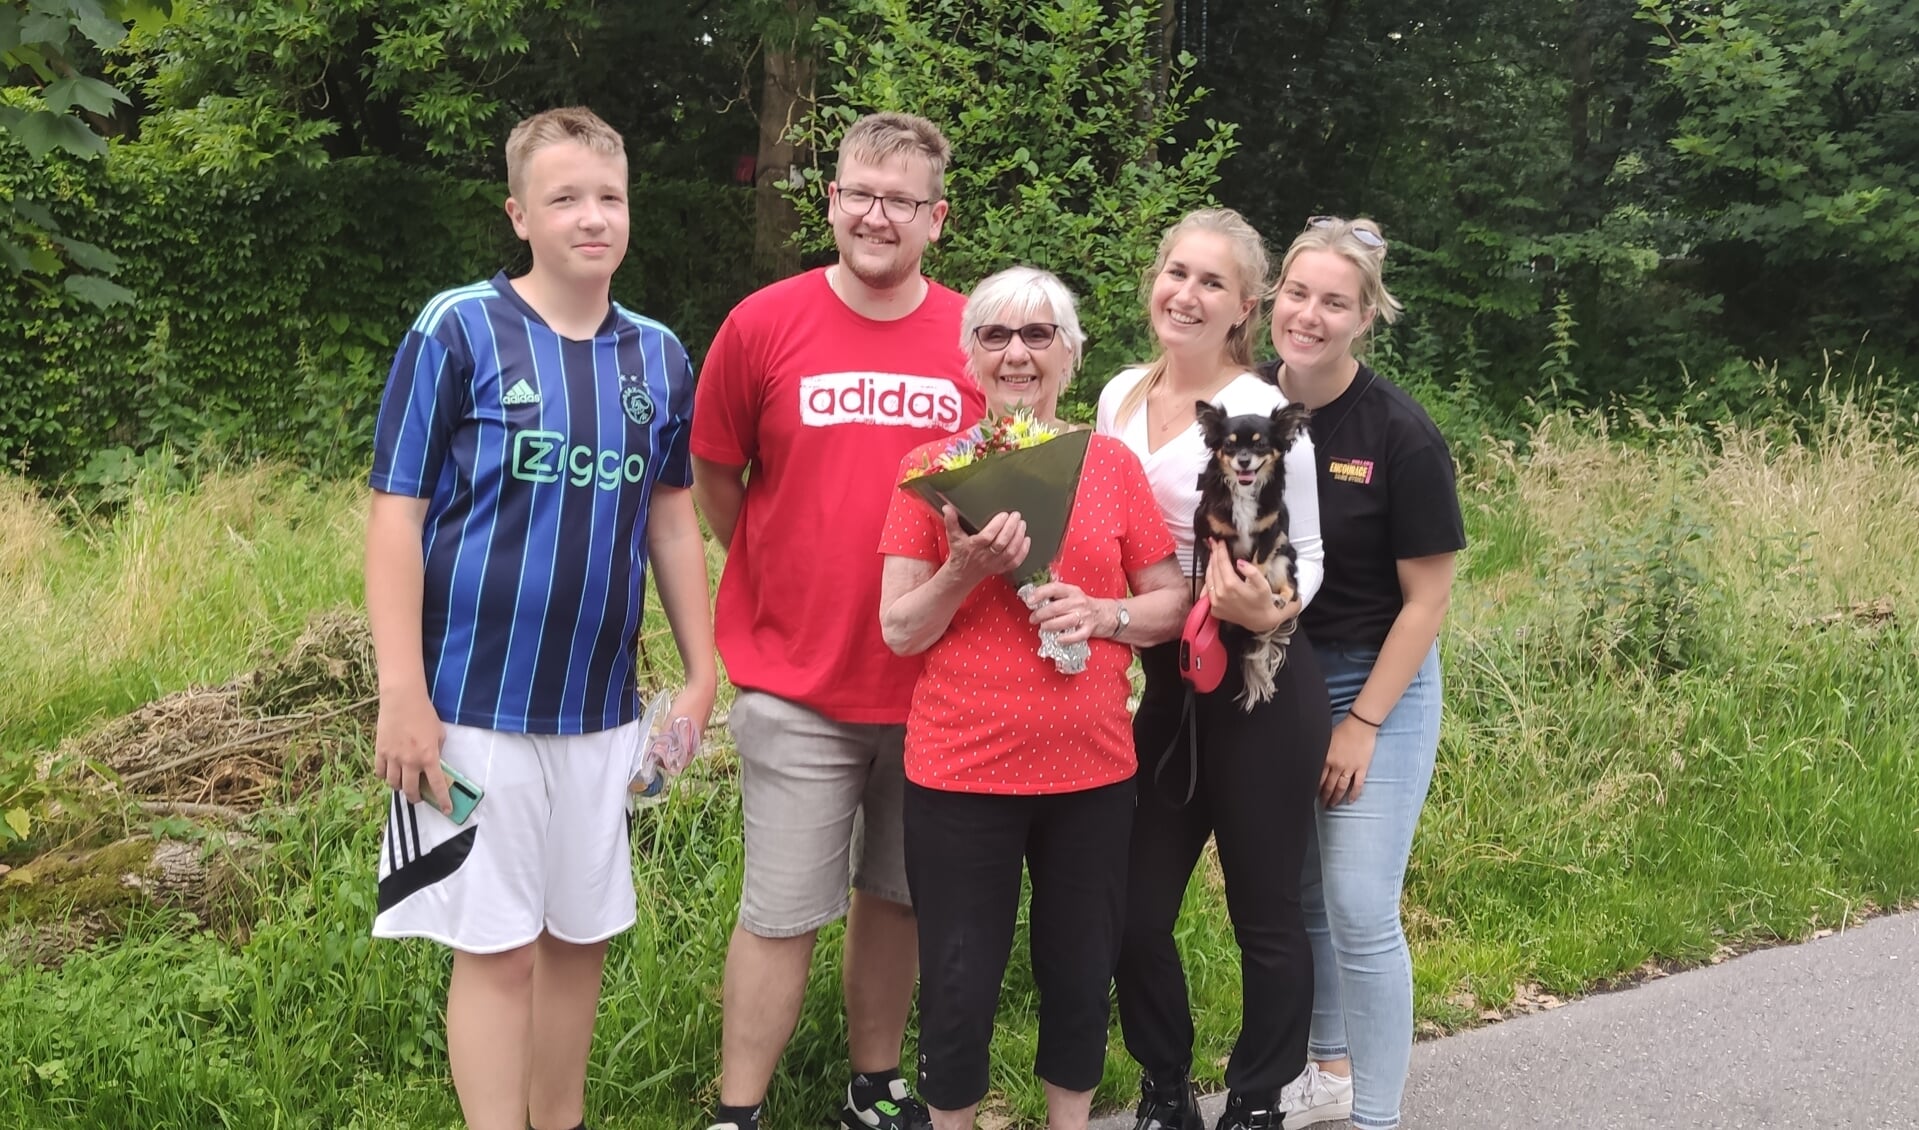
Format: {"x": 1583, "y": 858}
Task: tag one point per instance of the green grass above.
{"x": 1650, "y": 751}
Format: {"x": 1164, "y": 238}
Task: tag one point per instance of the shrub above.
{"x": 269, "y": 304}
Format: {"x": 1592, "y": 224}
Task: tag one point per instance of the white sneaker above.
{"x": 1316, "y": 1096}
{"x": 1291, "y": 1093}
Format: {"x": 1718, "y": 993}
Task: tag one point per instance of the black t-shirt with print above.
{"x": 1386, "y": 493}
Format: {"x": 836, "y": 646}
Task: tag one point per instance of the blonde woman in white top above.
{"x": 1248, "y": 778}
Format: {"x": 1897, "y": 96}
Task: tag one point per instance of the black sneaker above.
{"x": 1242, "y": 1113}
{"x": 899, "y": 1112}
{"x": 1167, "y": 1106}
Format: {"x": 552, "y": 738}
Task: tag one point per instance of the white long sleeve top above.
{"x": 1174, "y": 469}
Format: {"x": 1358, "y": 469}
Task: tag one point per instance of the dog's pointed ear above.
{"x": 1289, "y": 420}
{"x": 1212, "y": 422}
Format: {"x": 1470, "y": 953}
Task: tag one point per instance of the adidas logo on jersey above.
{"x": 520, "y": 393}
{"x": 879, "y": 398}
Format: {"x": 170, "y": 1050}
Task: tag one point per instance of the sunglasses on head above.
{"x": 1367, "y": 236}
{"x": 1035, "y": 335}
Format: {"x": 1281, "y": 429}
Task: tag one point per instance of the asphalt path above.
{"x": 1816, "y": 1036}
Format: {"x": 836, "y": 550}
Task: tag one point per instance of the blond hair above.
{"x": 1249, "y": 255}
{"x": 878, "y": 138}
{"x": 1330, "y": 233}
{"x": 550, "y": 127}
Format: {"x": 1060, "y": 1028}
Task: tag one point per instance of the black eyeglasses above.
{"x": 1367, "y": 236}
{"x": 1034, "y": 335}
{"x": 899, "y": 209}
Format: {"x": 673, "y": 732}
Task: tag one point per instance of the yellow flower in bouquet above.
{"x": 1015, "y": 431}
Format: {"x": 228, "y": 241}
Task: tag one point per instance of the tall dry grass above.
{"x": 32, "y": 549}
{"x": 173, "y": 588}
{"x": 1843, "y": 493}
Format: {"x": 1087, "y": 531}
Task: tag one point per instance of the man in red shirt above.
{"x": 820, "y": 384}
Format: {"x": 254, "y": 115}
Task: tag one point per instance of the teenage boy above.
{"x": 821, "y": 384}
{"x": 529, "y": 462}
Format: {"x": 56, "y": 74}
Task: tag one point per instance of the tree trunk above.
{"x": 1162, "y": 77}
{"x": 786, "y": 96}
{"x": 1579, "y": 100}
{"x": 64, "y": 901}
{"x": 1168, "y": 24}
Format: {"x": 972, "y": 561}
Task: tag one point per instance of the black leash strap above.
{"x": 1189, "y": 719}
{"x": 1188, "y": 712}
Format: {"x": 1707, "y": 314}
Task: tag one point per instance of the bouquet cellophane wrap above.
{"x": 1040, "y": 482}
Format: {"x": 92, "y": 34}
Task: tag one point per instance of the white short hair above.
{"x": 1017, "y": 293}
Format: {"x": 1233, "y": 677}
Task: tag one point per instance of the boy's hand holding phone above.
{"x": 406, "y": 748}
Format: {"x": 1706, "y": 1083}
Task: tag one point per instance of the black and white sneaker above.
{"x": 898, "y": 1111}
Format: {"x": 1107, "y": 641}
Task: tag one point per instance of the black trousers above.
{"x": 1258, "y": 776}
{"x": 964, "y": 853}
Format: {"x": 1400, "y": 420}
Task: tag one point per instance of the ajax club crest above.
{"x": 635, "y": 399}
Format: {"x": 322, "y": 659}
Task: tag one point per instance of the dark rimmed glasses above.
{"x": 899, "y": 209}
{"x": 1367, "y": 236}
{"x": 1034, "y": 335}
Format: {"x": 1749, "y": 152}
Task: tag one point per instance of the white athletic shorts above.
{"x": 544, "y": 850}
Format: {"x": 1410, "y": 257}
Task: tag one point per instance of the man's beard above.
{"x": 879, "y": 279}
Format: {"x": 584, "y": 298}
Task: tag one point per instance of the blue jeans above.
{"x": 1355, "y": 868}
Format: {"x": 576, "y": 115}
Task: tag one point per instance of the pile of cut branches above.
{"x": 213, "y": 755}
{"x": 227, "y": 749}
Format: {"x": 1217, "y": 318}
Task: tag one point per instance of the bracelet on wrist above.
{"x": 1354, "y": 715}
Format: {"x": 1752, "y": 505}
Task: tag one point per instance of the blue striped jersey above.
{"x": 538, "y": 456}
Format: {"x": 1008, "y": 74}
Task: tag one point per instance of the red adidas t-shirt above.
{"x": 821, "y": 403}
{"x": 989, "y": 715}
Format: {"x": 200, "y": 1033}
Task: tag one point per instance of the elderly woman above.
{"x": 1009, "y": 761}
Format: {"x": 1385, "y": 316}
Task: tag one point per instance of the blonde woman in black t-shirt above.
{"x": 1389, "y": 516}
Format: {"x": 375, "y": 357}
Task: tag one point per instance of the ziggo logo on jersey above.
{"x": 543, "y": 457}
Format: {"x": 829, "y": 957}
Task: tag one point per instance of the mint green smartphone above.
{"x": 466, "y": 794}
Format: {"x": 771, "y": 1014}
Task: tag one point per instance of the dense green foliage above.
{"x": 1590, "y": 201}
{"x": 1593, "y": 198}
{"x": 268, "y": 311}
{"x": 238, "y": 83}
{"x": 270, "y": 306}
{"x": 48, "y": 104}
{"x": 1656, "y": 744}
{"x": 1798, "y": 148}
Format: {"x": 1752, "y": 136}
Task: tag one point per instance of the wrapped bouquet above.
{"x": 1013, "y": 462}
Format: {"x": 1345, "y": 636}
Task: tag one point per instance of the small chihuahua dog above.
{"x": 1242, "y": 503}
